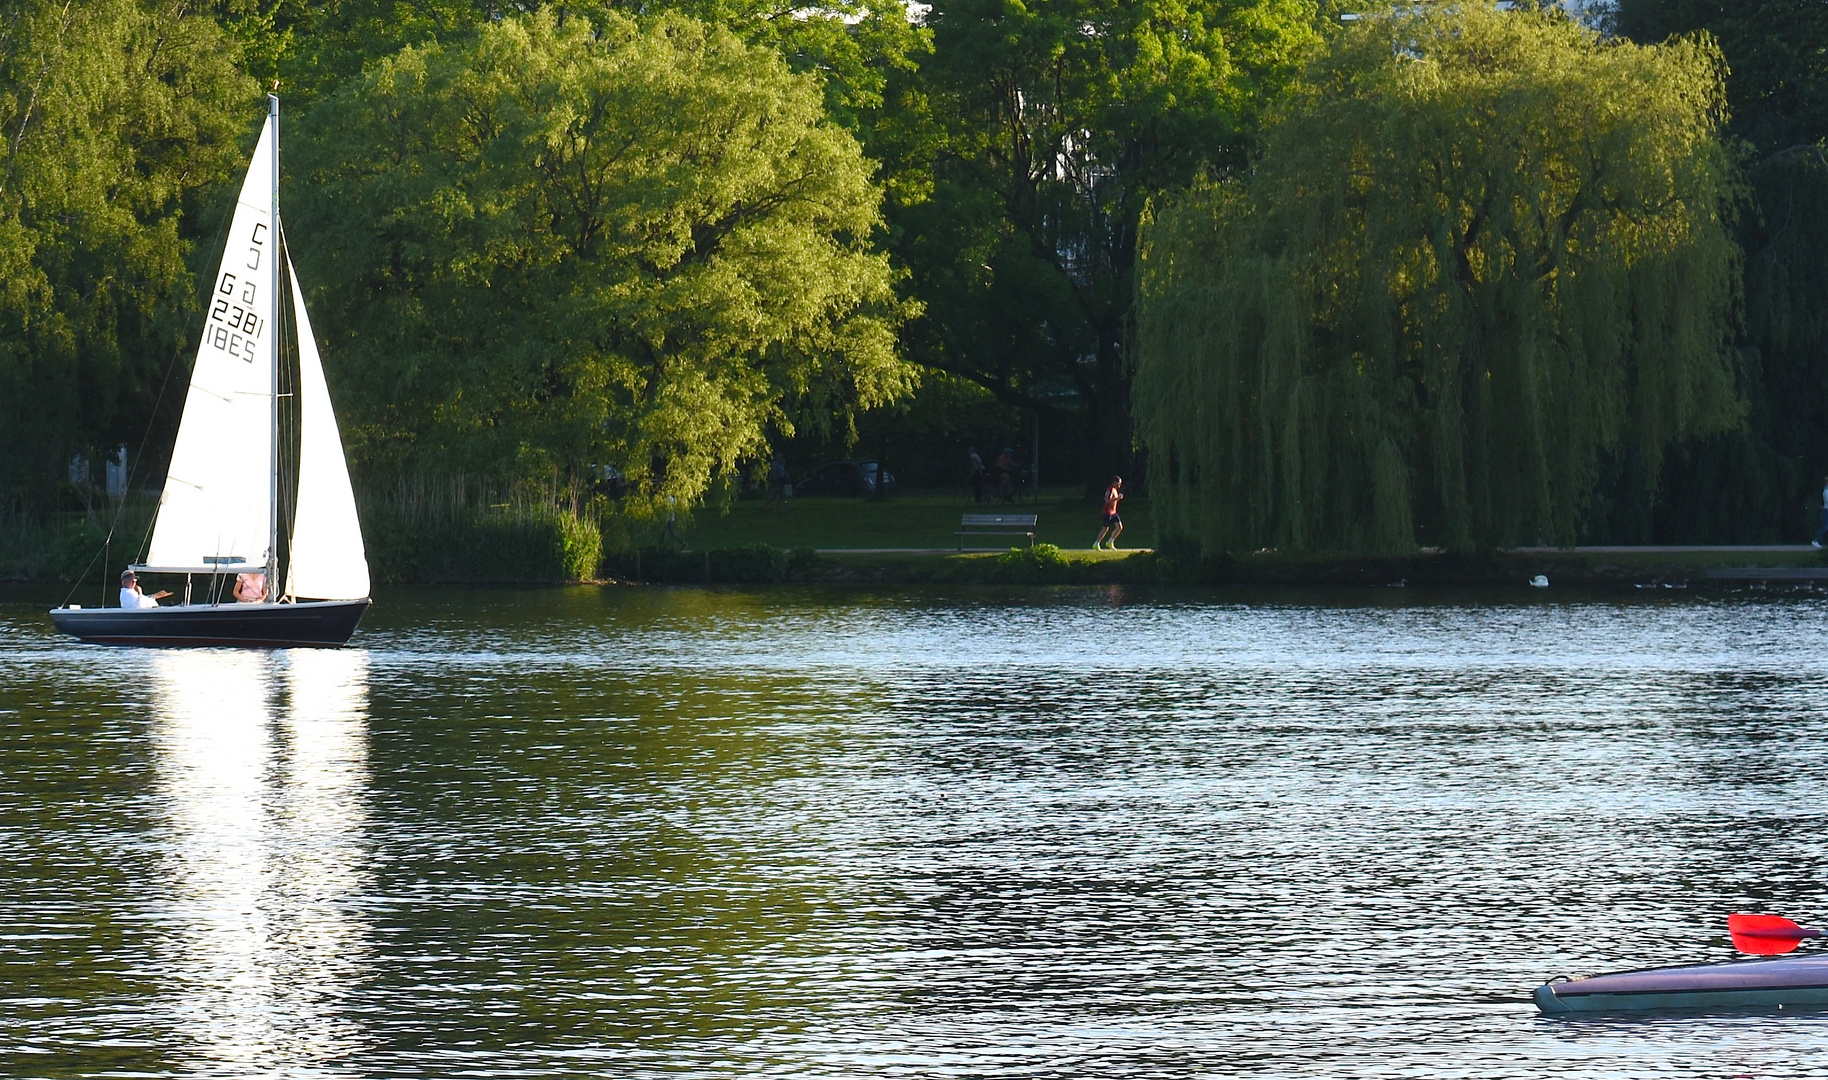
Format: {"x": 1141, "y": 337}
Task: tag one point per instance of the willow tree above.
{"x": 556, "y": 247}
{"x": 1482, "y": 249}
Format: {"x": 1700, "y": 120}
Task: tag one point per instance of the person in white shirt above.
{"x": 132, "y": 597}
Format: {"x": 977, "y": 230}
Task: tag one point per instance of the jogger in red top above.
{"x": 1113, "y": 523}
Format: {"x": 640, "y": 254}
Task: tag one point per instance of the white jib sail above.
{"x": 216, "y": 512}
{"x": 328, "y": 561}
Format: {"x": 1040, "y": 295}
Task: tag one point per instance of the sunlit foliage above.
{"x": 1482, "y": 249}
{"x": 562, "y": 247}
{"x": 116, "y": 114}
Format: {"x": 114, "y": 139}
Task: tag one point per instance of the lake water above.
{"x": 649, "y": 832}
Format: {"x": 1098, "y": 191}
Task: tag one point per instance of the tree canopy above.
{"x": 1482, "y": 251}
{"x": 558, "y": 247}
{"x": 1777, "y": 59}
{"x": 1047, "y": 128}
{"x": 118, "y": 116}
{"x": 1757, "y": 484}
{"x": 1463, "y": 297}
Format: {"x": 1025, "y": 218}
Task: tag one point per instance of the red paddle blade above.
{"x": 1766, "y": 935}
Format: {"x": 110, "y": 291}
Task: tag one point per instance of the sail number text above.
{"x": 233, "y": 326}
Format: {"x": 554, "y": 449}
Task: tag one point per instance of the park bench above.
{"x": 996, "y": 525}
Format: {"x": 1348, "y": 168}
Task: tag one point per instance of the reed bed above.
{"x": 430, "y": 528}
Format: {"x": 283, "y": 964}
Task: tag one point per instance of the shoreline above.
{"x": 1701, "y": 566}
{"x": 1709, "y": 566}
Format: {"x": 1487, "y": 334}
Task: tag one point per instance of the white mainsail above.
{"x": 217, "y": 510}
{"x": 328, "y": 561}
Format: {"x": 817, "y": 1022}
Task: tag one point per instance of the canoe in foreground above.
{"x": 1792, "y": 982}
{"x": 321, "y": 623}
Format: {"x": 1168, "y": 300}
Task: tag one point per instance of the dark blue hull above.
{"x": 316, "y": 623}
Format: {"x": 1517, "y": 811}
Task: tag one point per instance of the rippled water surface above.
{"x": 1074, "y": 833}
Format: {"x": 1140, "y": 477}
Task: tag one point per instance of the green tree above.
{"x": 1776, "y": 53}
{"x": 1759, "y": 483}
{"x": 855, "y": 47}
{"x": 1483, "y": 249}
{"x": 1038, "y": 131}
{"x": 556, "y": 247}
{"x": 118, "y": 116}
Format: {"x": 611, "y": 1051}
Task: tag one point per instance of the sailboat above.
{"x": 219, "y": 515}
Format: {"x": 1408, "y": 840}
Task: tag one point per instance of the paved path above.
{"x": 948, "y": 551}
{"x": 889, "y": 551}
{"x": 1620, "y": 549}
{"x": 1672, "y": 549}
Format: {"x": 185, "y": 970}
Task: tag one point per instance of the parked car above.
{"x": 846, "y": 478}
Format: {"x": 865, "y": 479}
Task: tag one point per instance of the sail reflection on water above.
{"x": 262, "y": 765}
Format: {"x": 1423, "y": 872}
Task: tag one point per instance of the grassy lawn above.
{"x": 909, "y": 520}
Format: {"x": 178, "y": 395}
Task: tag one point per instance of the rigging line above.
{"x": 217, "y": 245}
{"x": 120, "y": 505}
{"x": 285, "y": 322}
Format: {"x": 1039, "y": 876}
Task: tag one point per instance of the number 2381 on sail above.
{"x": 233, "y": 327}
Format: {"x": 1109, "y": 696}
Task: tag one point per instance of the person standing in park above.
{"x": 978, "y": 476}
{"x": 1113, "y": 521}
{"x": 779, "y": 482}
{"x": 1822, "y": 526}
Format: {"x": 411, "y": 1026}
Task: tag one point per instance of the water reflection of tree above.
{"x": 599, "y": 847}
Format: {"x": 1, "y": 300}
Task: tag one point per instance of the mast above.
{"x": 273, "y": 476}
